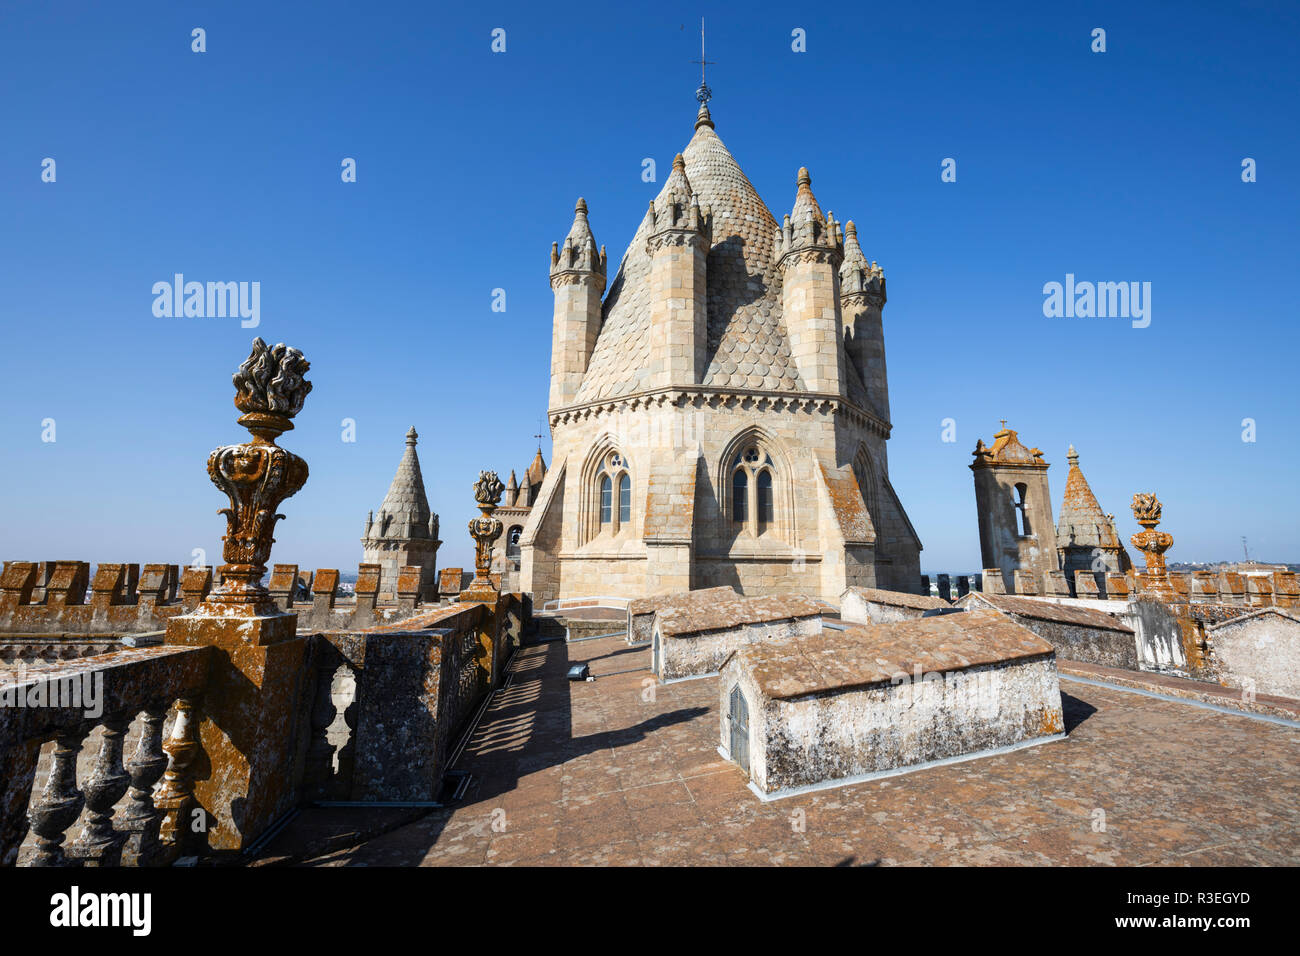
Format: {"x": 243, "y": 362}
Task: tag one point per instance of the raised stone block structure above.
{"x": 641, "y": 612}
{"x": 836, "y": 707}
{"x": 693, "y": 641}
{"x": 1076, "y": 633}
{"x": 876, "y": 606}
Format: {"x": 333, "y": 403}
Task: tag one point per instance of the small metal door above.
{"x": 739, "y": 729}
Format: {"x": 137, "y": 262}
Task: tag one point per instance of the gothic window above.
{"x": 764, "y": 499}
{"x": 512, "y": 542}
{"x": 613, "y": 483}
{"x": 740, "y": 495}
{"x": 1022, "y": 507}
{"x": 752, "y": 504}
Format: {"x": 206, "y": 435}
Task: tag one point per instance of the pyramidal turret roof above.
{"x": 747, "y": 344}
{"x": 1082, "y": 522}
{"x": 406, "y": 494}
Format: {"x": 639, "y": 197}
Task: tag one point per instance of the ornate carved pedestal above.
{"x": 1153, "y": 544}
{"x": 485, "y": 529}
{"x": 243, "y": 772}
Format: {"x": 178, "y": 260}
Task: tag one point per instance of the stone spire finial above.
{"x": 677, "y": 208}
{"x": 579, "y": 254}
{"x": 806, "y": 230}
{"x": 512, "y": 490}
{"x": 1072, "y": 457}
{"x": 412, "y": 436}
{"x": 702, "y": 118}
{"x": 857, "y": 275}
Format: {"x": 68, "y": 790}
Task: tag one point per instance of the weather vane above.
{"x": 703, "y": 94}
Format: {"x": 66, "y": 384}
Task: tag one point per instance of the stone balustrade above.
{"x": 129, "y": 691}
{"x": 375, "y": 720}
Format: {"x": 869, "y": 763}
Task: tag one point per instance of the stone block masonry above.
{"x": 694, "y": 640}
{"x": 839, "y": 706}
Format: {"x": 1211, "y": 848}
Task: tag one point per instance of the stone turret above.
{"x": 862, "y": 301}
{"x": 1014, "y": 506}
{"x": 809, "y": 250}
{"x": 578, "y": 281}
{"x": 1086, "y": 537}
{"x": 512, "y": 490}
{"x": 678, "y": 243}
{"x": 405, "y": 531}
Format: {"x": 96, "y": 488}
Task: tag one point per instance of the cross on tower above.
{"x": 703, "y": 94}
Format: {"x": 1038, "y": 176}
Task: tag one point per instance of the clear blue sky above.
{"x": 1122, "y": 166}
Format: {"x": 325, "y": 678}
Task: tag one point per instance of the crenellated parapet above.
{"x": 61, "y": 597}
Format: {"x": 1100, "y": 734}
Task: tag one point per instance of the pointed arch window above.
{"x": 624, "y": 498}
{"x": 606, "y": 502}
{"x": 753, "y": 500}
{"x": 613, "y": 490}
{"x": 764, "y": 499}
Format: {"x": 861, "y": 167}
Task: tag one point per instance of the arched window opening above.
{"x": 512, "y": 542}
{"x": 753, "y": 499}
{"x": 764, "y": 499}
{"x": 740, "y": 496}
{"x": 612, "y": 489}
{"x": 1022, "y": 506}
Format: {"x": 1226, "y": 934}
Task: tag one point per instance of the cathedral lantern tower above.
{"x": 578, "y": 281}
{"x": 707, "y": 425}
{"x": 809, "y": 250}
{"x": 862, "y": 300}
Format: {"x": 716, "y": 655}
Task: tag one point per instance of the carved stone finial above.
{"x": 1153, "y": 544}
{"x": 485, "y": 529}
{"x": 1146, "y": 509}
{"x": 487, "y": 491}
{"x": 257, "y": 476}
{"x": 270, "y": 389}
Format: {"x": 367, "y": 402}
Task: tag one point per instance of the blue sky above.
{"x": 225, "y": 165}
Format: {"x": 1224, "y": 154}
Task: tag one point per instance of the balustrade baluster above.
{"x": 98, "y": 844}
{"x": 320, "y": 752}
{"x": 60, "y": 801}
{"x": 175, "y": 797}
{"x": 140, "y": 818}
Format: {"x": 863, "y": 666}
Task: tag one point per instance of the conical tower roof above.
{"x": 1082, "y": 522}
{"x": 406, "y": 494}
{"x": 747, "y": 346}
{"x": 537, "y": 470}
